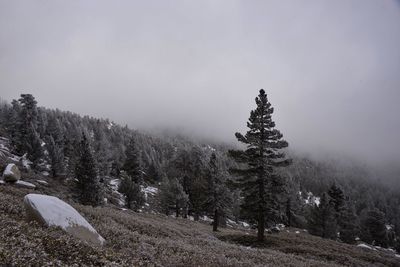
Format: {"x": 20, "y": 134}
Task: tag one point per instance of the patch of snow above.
{"x": 124, "y": 209}
{"x": 229, "y": 221}
{"x": 365, "y": 246}
{"x": 147, "y": 204}
{"x": 42, "y": 182}
{"x": 26, "y": 162}
{"x": 397, "y": 255}
{"x": 244, "y": 224}
{"x": 2, "y": 182}
{"x": 310, "y": 199}
{"x": 149, "y": 190}
{"x": 357, "y": 238}
{"x": 14, "y": 158}
{"x": 281, "y": 226}
{"x": 317, "y": 201}
{"x": 191, "y": 218}
{"x": 114, "y": 183}
{"x": 45, "y": 173}
{"x": 25, "y": 184}
{"x": 297, "y": 232}
{"x": 206, "y": 219}
{"x": 389, "y": 227}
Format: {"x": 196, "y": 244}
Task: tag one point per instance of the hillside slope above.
{"x": 142, "y": 239}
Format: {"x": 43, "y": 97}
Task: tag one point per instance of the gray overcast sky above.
{"x": 331, "y": 68}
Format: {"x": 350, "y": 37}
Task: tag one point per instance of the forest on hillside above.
{"x": 331, "y": 199}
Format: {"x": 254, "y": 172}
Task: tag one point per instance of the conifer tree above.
{"x": 218, "y": 196}
{"x": 55, "y": 157}
{"x": 88, "y": 184}
{"x": 152, "y": 173}
{"x": 132, "y": 162}
{"x": 190, "y": 167}
{"x": 348, "y": 225}
{"x": 321, "y": 221}
{"x": 261, "y": 185}
{"x": 173, "y": 196}
{"x": 28, "y": 139}
{"x": 134, "y": 197}
{"x": 13, "y": 124}
{"x": 373, "y": 227}
{"x": 336, "y": 198}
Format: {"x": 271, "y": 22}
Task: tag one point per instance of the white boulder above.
{"x": 11, "y": 173}
{"x": 24, "y": 184}
{"x": 52, "y": 211}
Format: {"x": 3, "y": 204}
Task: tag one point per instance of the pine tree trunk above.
{"x": 261, "y": 227}
{"x": 215, "y": 222}
{"x": 177, "y": 210}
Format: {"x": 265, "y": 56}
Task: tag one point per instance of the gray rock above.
{"x": 52, "y": 211}
{"x": 11, "y": 173}
{"x": 24, "y": 184}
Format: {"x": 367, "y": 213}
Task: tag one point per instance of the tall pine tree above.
{"x": 260, "y": 184}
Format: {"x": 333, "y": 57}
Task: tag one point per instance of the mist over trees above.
{"x": 197, "y": 179}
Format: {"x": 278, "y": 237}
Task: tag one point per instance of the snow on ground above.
{"x": 244, "y": 224}
{"x": 25, "y": 162}
{"x": 310, "y": 199}
{"x": 206, "y": 219}
{"x": 114, "y": 184}
{"x": 365, "y": 246}
{"x": 297, "y": 232}
{"x": 2, "y": 182}
{"x": 397, "y": 255}
{"x": 149, "y": 190}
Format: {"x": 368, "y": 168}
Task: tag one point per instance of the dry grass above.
{"x": 135, "y": 239}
